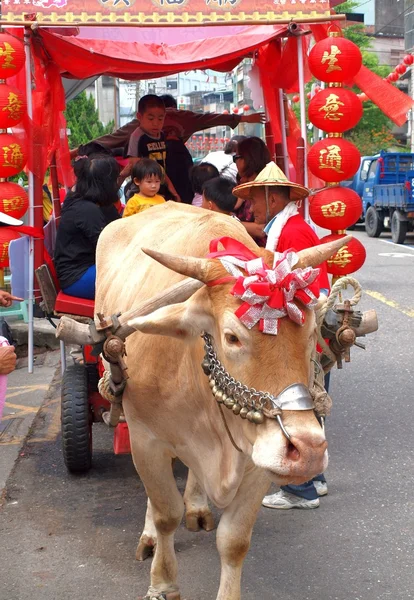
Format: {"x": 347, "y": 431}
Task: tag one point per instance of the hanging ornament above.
{"x": 12, "y": 155}
{"x": 225, "y": 112}
{"x": 235, "y": 110}
{"x": 408, "y": 59}
{"x": 246, "y": 107}
{"x": 335, "y": 208}
{"x": 295, "y": 98}
{"x": 14, "y": 201}
{"x": 12, "y": 56}
{"x": 335, "y": 110}
{"x": 12, "y": 106}
{"x": 333, "y": 159}
{"x": 348, "y": 259}
{"x": 6, "y": 236}
{"x": 335, "y": 59}
{"x": 400, "y": 69}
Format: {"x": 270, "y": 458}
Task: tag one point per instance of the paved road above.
{"x": 66, "y": 537}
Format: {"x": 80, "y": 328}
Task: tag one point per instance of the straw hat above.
{"x": 271, "y": 176}
{"x": 7, "y": 220}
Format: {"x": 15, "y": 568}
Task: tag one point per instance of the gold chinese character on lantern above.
{"x": 330, "y": 158}
{"x": 14, "y": 107}
{"x": 12, "y": 204}
{"x": 330, "y": 58}
{"x": 4, "y": 251}
{"x": 333, "y": 209}
{"x": 331, "y": 108}
{"x": 7, "y": 52}
{"x": 342, "y": 257}
{"x": 13, "y": 156}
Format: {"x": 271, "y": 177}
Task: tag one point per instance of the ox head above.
{"x": 270, "y": 363}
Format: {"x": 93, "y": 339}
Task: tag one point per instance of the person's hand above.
{"x": 6, "y": 299}
{"x": 254, "y": 118}
{"x": 73, "y": 153}
{"x": 7, "y": 360}
{"x": 176, "y": 198}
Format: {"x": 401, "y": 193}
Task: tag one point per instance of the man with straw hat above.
{"x": 274, "y": 201}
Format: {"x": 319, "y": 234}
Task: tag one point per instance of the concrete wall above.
{"x": 389, "y": 17}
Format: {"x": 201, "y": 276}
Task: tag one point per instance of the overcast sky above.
{"x": 368, "y": 8}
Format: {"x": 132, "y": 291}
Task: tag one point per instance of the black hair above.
{"x": 96, "y": 180}
{"x": 231, "y": 146}
{"x": 201, "y": 173}
{"x": 255, "y": 154}
{"x": 92, "y": 149}
{"x": 219, "y": 191}
{"x": 149, "y": 101}
{"x": 146, "y": 167}
{"x": 169, "y": 101}
{"x": 283, "y": 191}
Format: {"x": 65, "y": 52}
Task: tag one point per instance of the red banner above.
{"x": 163, "y": 12}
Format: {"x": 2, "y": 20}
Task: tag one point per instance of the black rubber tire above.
{"x": 76, "y": 420}
{"x": 374, "y": 224}
{"x": 398, "y": 229}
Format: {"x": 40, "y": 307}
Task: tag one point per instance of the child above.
{"x": 218, "y": 196}
{"x": 199, "y": 174}
{"x": 147, "y": 176}
{"x": 148, "y": 140}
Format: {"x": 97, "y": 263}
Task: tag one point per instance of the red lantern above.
{"x": 246, "y": 107}
{"x": 225, "y": 112}
{"x": 12, "y": 56}
{"x": 309, "y": 95}
{"x": 12, "y": 155}
{"x": 12, "y": 106}
{"x": 13, "y": 199}
{"x": 335, "y": 208}
{"x": 335, "y": 59}
{"x": 335, "y": 110}
{"x": 295, "y": 98}
{"x": 6, "y": 236}
{"x": 194, "y": 137}
{"x": 408, "y": 59}
{"x": 400, "y": 69}
{"x": 333, "y": 159}
{"x": 348, "y": 259}
{"x": 235, "y": 110}
{"x": 393, "y": 76}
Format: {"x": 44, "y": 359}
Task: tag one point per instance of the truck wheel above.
{"x": 374, "y": 224}
{"x": 398, "y": 229}
{"x": 76, "y": 420}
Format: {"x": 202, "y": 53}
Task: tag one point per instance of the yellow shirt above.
{"x": 138, "y": 203}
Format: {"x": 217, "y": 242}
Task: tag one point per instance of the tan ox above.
{"x": 168, "y": 402}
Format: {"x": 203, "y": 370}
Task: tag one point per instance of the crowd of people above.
{"x": 241, "y": 181}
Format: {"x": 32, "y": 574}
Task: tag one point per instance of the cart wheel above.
{"x": 398, "y": 229}
{"x": 374, "y": 224}
{"x": 76, "y": 420}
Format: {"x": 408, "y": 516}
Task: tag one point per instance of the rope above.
{"x": 228, "y": 430}
{"x": 105, "y": 390}
{"x": 340, "y": 285}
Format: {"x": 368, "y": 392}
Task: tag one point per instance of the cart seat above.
{"x": 74, "y": 306}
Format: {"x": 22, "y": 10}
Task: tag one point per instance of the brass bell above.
{"x": 214, "y": 389}
{"x": 236, "y": 408}
{"x": 205, "y": 365}
{"x": 243, "y": 412}
{"x": 249, "y": 415}
{"x": 219, "y": 396}
{"x": 224, "y": 397}
{"x": 229, "y": 403}
{"x": 258, "y": 417}
{"x": 211, "y": 382}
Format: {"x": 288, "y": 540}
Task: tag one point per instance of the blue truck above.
{"x": 385, "y": 184}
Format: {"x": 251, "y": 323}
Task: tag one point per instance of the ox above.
{"x": 168, "y": 402}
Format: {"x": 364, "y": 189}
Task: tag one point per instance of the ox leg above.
{"x": 235, "y": 530}
{"x": 197, "y": 510}
{"x": 148, "y": 539}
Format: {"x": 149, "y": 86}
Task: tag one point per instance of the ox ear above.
{"x": 182, "y": 321}
{"x": 312, "y": 257}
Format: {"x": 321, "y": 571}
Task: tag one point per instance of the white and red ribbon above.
{"x": 267, "y": 294}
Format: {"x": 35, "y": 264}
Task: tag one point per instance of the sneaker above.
{"x": 285, "y": 500}
{"x": 321, "y": 487}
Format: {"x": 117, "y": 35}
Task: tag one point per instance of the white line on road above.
{"x": 402, "y": 246}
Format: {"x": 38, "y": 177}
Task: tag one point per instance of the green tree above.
{"x": 83, "y": 121}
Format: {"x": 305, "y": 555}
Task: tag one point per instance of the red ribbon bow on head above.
{"x": 267, "y": 294}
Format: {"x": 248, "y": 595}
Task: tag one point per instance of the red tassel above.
{"x": 393, "y": 103}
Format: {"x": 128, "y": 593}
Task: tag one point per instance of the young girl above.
{"x": 147, "y": 176}
{"x": 82, "y": 221}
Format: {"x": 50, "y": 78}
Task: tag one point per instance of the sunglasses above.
{"x": 236, "y": 157}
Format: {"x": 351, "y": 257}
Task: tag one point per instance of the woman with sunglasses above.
{"x": 251, "y": 158}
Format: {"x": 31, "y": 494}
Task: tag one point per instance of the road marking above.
{"x": 405, "y": 246}
{"x": 391, "y": 303}
{"x": 395, "y": 254}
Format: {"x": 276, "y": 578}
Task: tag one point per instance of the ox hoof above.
{"x": 145, "y": 548}
{"x": 168, "y": 596}
{"x": 202, "y": 519}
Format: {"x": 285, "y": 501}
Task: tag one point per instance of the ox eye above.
{"x": 232, "y": 339}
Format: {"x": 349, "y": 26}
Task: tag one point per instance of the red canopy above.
{"x": 147, "y": 52}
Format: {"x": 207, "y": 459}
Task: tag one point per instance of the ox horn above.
{"x": 312, "y": 257}
{"x": 197, "y": 268}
